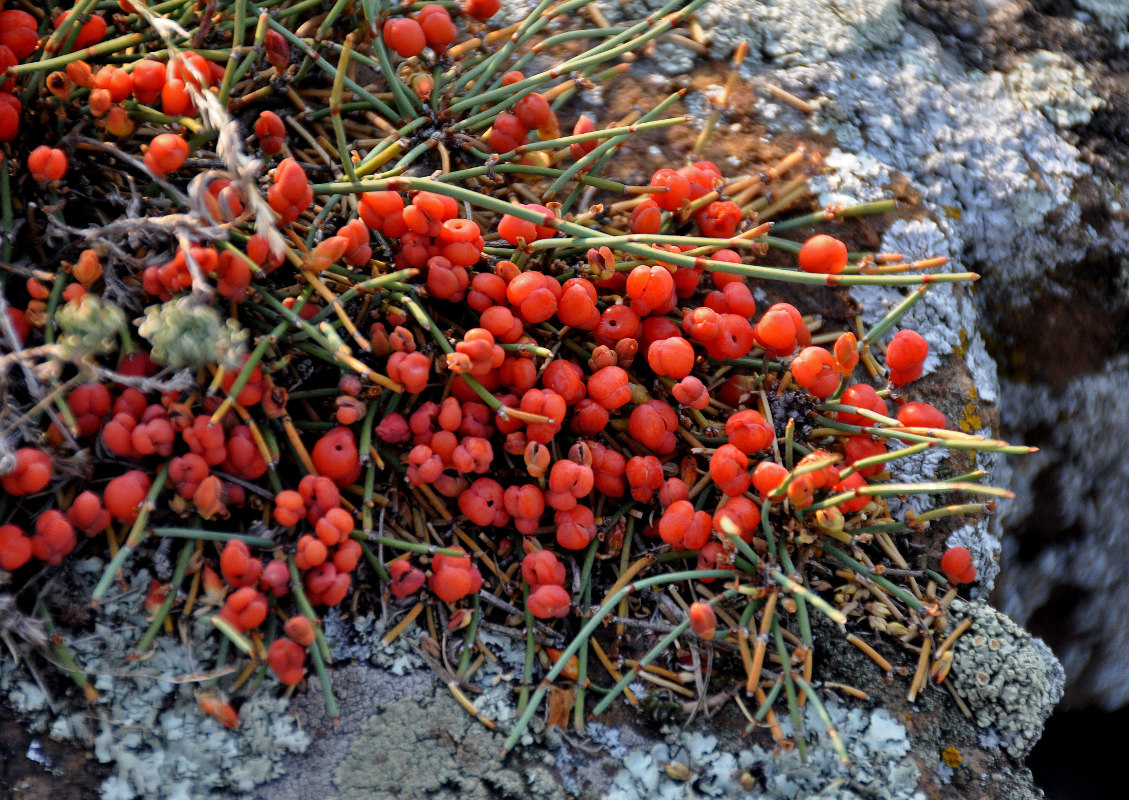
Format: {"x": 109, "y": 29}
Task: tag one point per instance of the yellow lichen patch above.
{"x": 971, "y": 421}
{"x": 952, "y": 212}
{"x": 952, "y": 757}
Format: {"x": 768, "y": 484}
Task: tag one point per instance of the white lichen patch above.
{"x": 1054, "y": 84}
{"x": 800, "y": 31}
{"x": 148, "y": 724}
{"x": 1010, "y": 680}
{"x": 997, "y": 178}
{"x": 876, "y": 743}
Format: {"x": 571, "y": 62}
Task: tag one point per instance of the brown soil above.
{"x": 36, "y": 767}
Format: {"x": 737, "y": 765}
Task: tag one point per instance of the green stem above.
{"x": 213, "y": 536}
{"x": 588, "y": 629}
{"x": 167, "y": 604}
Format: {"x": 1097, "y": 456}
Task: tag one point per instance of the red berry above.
{"x": 548, "y": 601}
{"x": 10, "y": 110}
{"x": 15, "y": 548}
{"x": 719, "y": 219}
{"x": 673, "y": 357}
{"x": 405, "y": 36}
{"x": 286, "y": 660}
{"x": 678, "y": 189}
{"x": 824, "y": 254}
{"x": 481, "y": 10}
{"x": 915, "y": 414}
{"x": 31, "y": 474}
{"x": 484, "y": 503}
{"x": 54, "y": 537}
{"x": 652, "y": 424}
{"x": 238, "y": 567}
{"x": 335, "y": 455}
{"x": 542, "y": 567}
{"x": 683, "y": 528}
{"x": 437, "y": 26}
{"x": 957, "y": 565}
{"x": 860, "y": 395}
{"x": 749, "y": 431}
{"x": 406, "y": 579}
{"x": 92, "y": 31}
{"x": 857, "y": 448}
{"x": 905, "y": 356}
{"x": 245, "y": 609}
{"x": 270, "y": 131}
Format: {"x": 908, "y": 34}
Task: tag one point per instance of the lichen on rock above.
{"x": 1010, "y": 679}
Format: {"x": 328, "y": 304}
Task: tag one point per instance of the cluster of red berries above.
{"x": 486, "y": 425}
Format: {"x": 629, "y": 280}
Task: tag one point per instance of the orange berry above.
{"x": 703, "y": 620}
{"x": 167, "y": 153}
{"x": 782, "y": 330}
{"x": 347, "y": 556}
{"x": 673, "y": 357}
{"x": 846, "y": 353}
{"x": 301, "y": 629}
{"x": 47, "y": 163}
{"x": 767, "y": 477}
{"x": 729, "y": 469}
{"x": 739, "y": 515}
{"x": 814, "y": 368}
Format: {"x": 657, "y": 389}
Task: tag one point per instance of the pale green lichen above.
{"x": 185, "y": 333}
{"x": 89, "y": 326}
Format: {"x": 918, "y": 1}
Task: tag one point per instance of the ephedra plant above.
{"x": 338, "y": 296}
